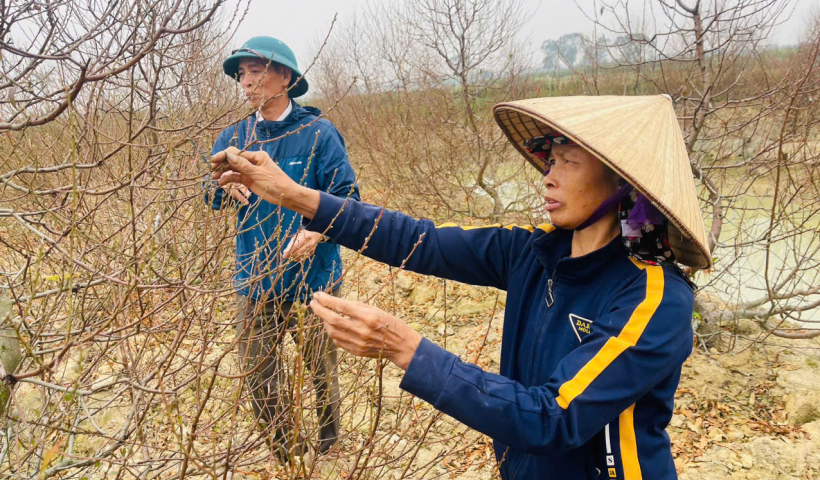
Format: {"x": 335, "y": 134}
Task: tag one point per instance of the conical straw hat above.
{"x": 638, "y": 137}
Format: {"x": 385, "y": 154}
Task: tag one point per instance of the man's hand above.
{"x": 254, "y": 170}
{"x": 258, "y": 172}
{"x": 302, "y": 245}
{"x": 239, "y": 192}
{"x": 366, "y": 331}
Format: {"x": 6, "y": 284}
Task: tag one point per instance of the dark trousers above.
{"x": 261, "y": 328}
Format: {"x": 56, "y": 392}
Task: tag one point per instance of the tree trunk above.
{"x": 698, "y": 120}
{"x": 9, "y": 350}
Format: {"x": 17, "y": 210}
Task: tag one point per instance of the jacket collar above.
{"x": 553, "y": 251}
{"x": 297, "y": 114}
{"x": 284, "y": 115}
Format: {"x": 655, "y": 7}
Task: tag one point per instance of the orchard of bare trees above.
{"x": 748, "y": 110}
{"x": 118, "y": 342}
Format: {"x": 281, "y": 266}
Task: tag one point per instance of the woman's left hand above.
{"x": 366, "y": 331}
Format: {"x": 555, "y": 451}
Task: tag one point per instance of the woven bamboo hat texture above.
{"x": 638, "y": 137}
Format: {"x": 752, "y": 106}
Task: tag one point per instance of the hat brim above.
{"x": 231, "y": 68}
{"x": 687, "y": 235}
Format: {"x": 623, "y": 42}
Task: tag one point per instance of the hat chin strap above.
{"x": 606, "y": 206}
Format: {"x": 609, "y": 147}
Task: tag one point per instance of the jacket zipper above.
{"x": 550, "y": 301}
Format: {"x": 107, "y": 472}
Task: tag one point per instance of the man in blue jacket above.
{"x": 270, "y": 276}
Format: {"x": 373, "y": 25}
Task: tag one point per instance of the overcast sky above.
{"x": 300, "y": 22}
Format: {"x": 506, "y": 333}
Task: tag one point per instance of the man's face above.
{"x": 261, "y": 82}
{"x": 577, "y": 183}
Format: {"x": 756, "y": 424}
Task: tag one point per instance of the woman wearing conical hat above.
{"x": 598, "y": 314}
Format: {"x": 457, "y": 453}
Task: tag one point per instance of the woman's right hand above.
{"x": 263, "y": 176}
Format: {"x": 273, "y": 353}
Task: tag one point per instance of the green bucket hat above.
{"x": 268, "y": 49}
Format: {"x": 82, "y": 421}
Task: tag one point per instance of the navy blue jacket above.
{"x": 591, "y": 352}
{"x": 314, "y": 156}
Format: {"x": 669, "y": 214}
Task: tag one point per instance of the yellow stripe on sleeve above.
{"x": 629, "y": 445}
{"x": 616, "y": 345}
{"x": 546, "y": 227}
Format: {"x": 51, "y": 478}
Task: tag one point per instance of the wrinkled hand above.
{"x": 366, "y": 331}
{"x": 254, "y": 170}
{"x": 302, "y": 245}
{"x": 239, "y": 192}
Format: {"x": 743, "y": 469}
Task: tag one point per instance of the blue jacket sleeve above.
{"x": 643, "y": 339}
{"x": 214, "y": 195}
{"x": 334, "y": 173}
{"x": 479, "y": 256}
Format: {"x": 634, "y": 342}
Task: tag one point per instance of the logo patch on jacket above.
{"x": 580, "y": 325}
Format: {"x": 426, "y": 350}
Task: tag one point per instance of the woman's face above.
{"x": 261, "y": 81}
{"x": 577, "y": 183}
